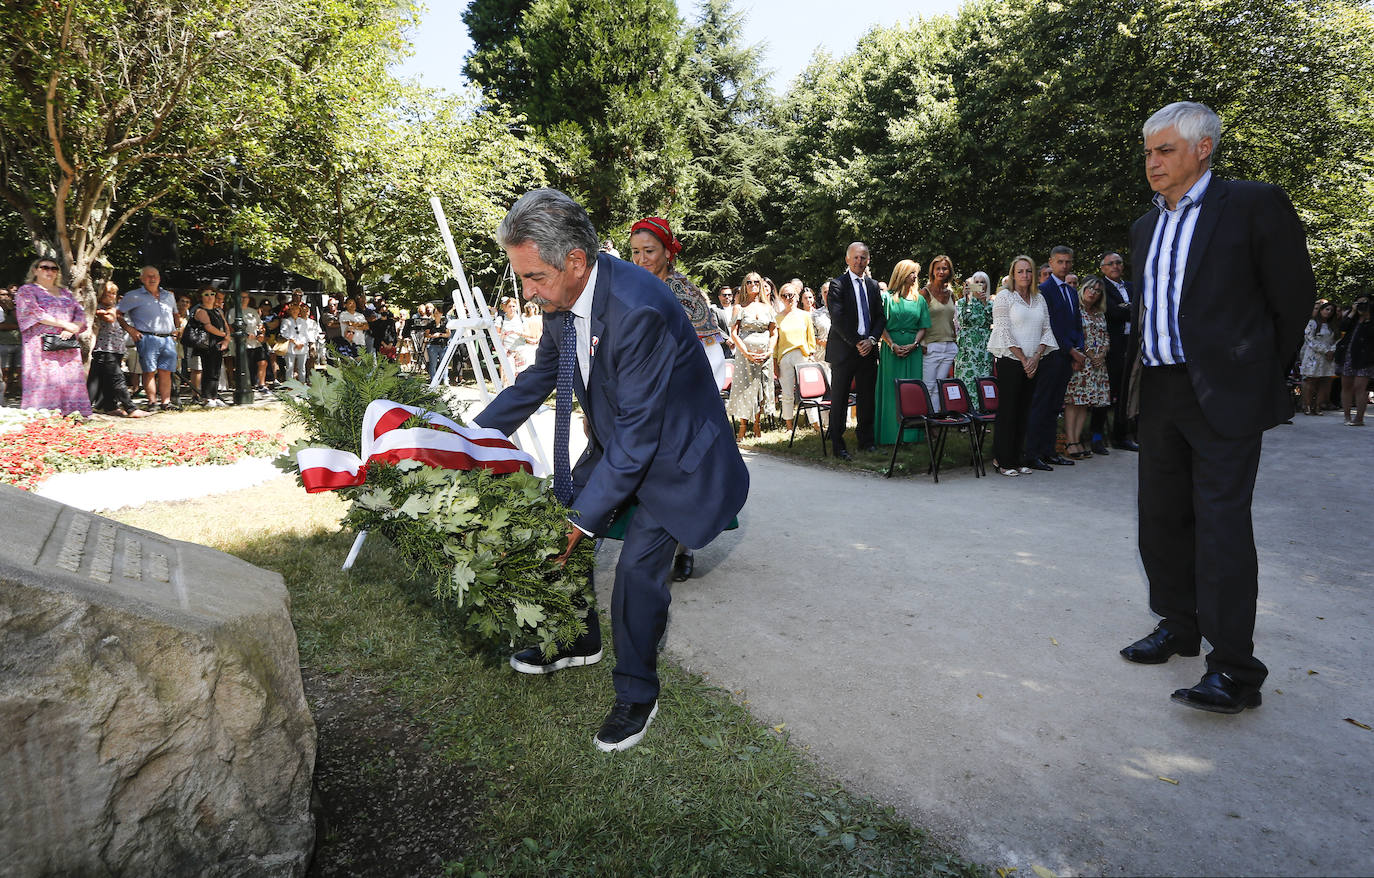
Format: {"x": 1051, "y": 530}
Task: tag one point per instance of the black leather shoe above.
{"x": 625, "y": 725}
{"x": 1100, "y": 447}
{"x": 1156, "y": 647}
{"x": 1059, "y": 460}
{"x": 682, "y": 567}
{"x": 1218, "y": 693}
{"x": 844, "y": 455}
{"x": 1126, "y": 445}
{"x": 532, "y": 661}
{"x": 1037, "y": 463}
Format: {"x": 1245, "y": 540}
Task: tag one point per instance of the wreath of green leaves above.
{"x": 488, "y": 541}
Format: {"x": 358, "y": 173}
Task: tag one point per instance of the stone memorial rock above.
{"x": 152, "y": 719}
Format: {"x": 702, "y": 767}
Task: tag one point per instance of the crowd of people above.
{"x": 1054, "y": 342}
{"x": 152, "y": 349}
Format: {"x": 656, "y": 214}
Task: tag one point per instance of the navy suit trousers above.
{"x": 639, "y": 606}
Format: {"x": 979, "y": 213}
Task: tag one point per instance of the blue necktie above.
{"x": 862, "y": 291}
{"x": 562, "y": 411}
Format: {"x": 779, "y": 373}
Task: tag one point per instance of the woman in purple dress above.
{"x": 52, "y": 379}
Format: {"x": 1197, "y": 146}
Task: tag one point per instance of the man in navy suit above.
{"x": 1224, "y": 287}
{"x": 857, "y": 321}
{"x": 1057, "y": 366}
{"x": 1120, "y": 355}
{"x": 658, "y": 435}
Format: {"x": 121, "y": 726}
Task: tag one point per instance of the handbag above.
{"x": 54, "y": 342}
{"x": 194, "y": 336}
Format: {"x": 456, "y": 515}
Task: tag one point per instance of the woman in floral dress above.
{"x": 974, "y": 360}
{"x": 755, "y": 336}
{"x": 1089, "y": 388}
{"x": 52, "y": 379}
{"x": 1318, "y": 360}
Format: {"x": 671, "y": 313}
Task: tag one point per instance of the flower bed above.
{"x": 45, "y": 446}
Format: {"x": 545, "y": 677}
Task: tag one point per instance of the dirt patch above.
{"x": 386, "y": 803}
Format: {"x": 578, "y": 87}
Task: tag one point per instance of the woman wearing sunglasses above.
{"x": 53, "y": 374}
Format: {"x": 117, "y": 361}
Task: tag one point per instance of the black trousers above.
{"x": 106, "y": 384}
{"x": 1051, "y": 380}
{"x": 210, "y": 362}
{"x": 1197, "y": 542}
{"x": 1014, "y": 392}
{"x": 863, "y": 373}
{"x": 1118, "y": 370}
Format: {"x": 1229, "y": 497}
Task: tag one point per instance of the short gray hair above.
{"x": 554, "y": 222}
{"x": 1192, "y": 120}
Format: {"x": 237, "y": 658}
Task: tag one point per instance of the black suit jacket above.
{"x": 844, "y": 318}
{"x": 1247, "y": 293}
{"x": 1118, "y": 310}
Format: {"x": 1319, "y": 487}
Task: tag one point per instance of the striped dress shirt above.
{"x": 1161, "y": 343}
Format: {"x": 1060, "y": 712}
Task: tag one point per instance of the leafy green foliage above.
{"x": 332, "y": 406}
{"x": 109, "y": 107}
{"x": 1015, "y": 126}
{"x": 730, "y": 134}
{"x": 602, "y": 84}
{"x": 486, "y": 541}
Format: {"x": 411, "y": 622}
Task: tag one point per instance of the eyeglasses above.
{"x": 1114, "y": 262}
{"x": 47, "y": 268}
{"x": 752, "y": 283}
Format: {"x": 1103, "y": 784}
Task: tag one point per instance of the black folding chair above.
{"x": 813, "y": 394}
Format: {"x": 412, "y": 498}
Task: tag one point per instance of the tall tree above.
{"x": 355, "y": 196}
{"x": 601, "y": 82}
{"x": 108, "y": 107}
{"x": 1015, "y": 126}
{"x": 730, "y": 137}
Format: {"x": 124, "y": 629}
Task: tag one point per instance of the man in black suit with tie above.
{"x": 1224, "y": 288}
{"x": 1120, "y": 355}
{"x": 857, "y": 321}
{"x": 1057, "y": 366}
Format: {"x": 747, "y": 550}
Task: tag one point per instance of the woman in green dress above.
{"x": 975, "y": 324}
{"x": 899, "y": 355}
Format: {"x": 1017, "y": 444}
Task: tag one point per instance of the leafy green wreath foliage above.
{"x": 487, "y": 540}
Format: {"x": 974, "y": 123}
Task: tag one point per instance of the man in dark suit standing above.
{"x": 1056, "y": 367}
{"x": 1120, "y": 354}
{"x": 857, "y": 321}
{"x": 1224, "y": 288}
{"x": 616, "y": 338}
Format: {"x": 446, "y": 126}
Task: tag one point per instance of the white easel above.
{"x": 474, "y": 328}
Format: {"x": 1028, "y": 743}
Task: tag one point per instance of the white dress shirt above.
{"x": 581, "y": 312}
{"x": 860, "y": 302}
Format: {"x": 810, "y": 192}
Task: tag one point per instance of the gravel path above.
{"x": 951, "y": 649}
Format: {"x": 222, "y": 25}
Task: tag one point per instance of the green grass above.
{"x": 710, "y": 791}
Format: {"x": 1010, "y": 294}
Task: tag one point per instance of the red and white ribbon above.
{"x": 444, "y": 444}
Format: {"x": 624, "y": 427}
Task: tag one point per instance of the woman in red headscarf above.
{"x": 653, "y": 247}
